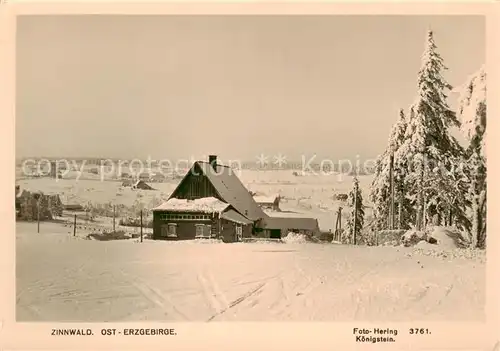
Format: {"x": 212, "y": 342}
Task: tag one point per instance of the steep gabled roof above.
{"x": 229, "y": 188}
{"x": 232, "y": 190}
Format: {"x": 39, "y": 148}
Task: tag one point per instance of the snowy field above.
{"x": 311, "y": 195}
{"x": 66, "y": 278}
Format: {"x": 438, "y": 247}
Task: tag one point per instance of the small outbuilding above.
{"x": 268, "y": 202}
{"x": 141, "y": 184}
{"x": 274, "y": 227}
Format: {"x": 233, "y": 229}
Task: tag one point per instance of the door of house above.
{"x": 275, "y": 234}
{"x": 239, "y": 232}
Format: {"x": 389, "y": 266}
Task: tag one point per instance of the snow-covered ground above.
{"x": 66, "y": 278}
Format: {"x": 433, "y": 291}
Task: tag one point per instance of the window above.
{"x": 203, "y": 230}
{"x": 172, "y": 230}
{"x": 199, "y": 230}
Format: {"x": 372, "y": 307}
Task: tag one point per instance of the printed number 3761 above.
{"x": 419, "y": 331}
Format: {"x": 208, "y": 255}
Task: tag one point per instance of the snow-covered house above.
{"x": 268, "y": 202}
{"x": 141, "y": 184}
{"x": 210, "y": 201}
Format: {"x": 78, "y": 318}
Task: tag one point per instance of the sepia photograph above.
{"x": 250, "y": 168}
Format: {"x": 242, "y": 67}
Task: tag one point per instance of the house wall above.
{"x": 263, "y": 234}
{"x": 185, "y": 228}
{"x": 228, "y": 231}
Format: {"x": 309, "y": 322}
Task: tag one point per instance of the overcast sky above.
{"x": 183, "y": 86}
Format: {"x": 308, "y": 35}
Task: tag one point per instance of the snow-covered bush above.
{"x": 413, "y": 237}
{"x": 389, "y": 237}
{"x": 447, "y": 238}
{"x": 296, "y": 238}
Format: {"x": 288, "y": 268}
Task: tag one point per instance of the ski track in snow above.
{"x": 63, "y": 279}
{"x": 159, "y": 299}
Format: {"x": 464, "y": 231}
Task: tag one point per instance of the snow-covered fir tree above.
{"x": 381, "y": 190}
{"x": 429, "y": 150}
{"x": 472, "y": 112}
{"x": 356, "y": 218}
{"x": 403, "y": 209}
{"x": 56, "y": 207}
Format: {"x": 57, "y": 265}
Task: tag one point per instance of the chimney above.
{"x": 212, "y": 159}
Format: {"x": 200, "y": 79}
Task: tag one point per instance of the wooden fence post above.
{"x": 74, "y": 226}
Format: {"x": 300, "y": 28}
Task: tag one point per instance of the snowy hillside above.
{"x": 62, "y": 278}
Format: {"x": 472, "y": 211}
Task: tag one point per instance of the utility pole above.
{"x": 355, "y": 215}
{"x": 38, "y": 214}
{"x": 74, "y": 226}
{"x": 338, "y": 225}
{"x": 141, "y": 226}
{"x": 340, "y": 222}
{"x": 400, "y": 212}
{"x": 114, "y": 219}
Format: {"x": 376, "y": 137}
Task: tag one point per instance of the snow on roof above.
{"x": 205, "y": 204}
{"x": 265, "y": 199}
{"x": 233, "y": 216}
{"x": 283, "y": 214}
